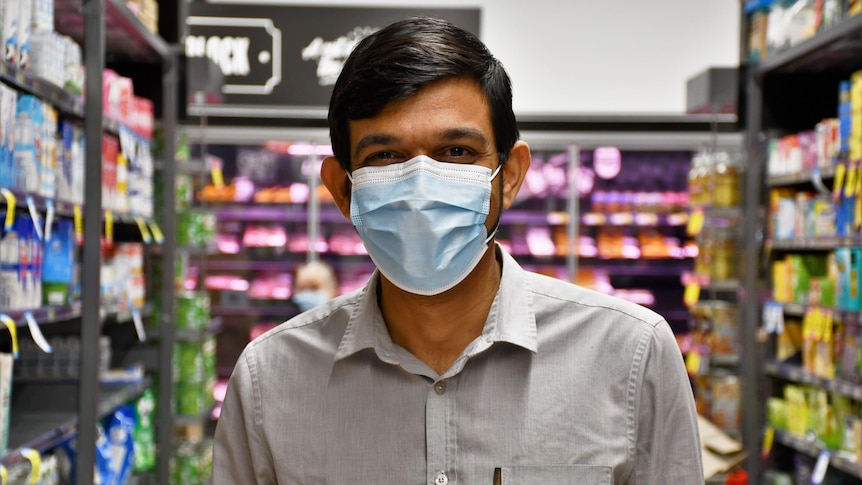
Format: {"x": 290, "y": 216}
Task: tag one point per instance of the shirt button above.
{"x": 440, "y": 388}
{"x": 441, "y": 479}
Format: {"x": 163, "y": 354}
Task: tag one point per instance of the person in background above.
{"x": 314, "y": 283}
{"x": 452, "y": 365}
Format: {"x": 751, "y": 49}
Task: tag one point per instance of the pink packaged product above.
{"x": 142, "y": 116}
{"x": 110, "y": 149}
{"x": 117, "y": 92}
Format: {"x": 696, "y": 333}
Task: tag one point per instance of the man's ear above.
{"x": 514, "y": 170}
{"x": 335, "y": 179}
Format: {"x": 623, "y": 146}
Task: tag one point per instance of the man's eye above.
{"x": 457, "y": 152}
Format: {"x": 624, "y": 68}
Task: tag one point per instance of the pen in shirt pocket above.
{"x": 498, "y": 480}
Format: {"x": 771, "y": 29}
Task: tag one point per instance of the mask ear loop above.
{"x": 500, "y": 211}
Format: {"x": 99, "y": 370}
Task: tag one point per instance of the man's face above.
{"x": 448, "y": 120}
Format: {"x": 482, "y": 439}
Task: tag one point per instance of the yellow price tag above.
{"x": 216, "y": 173}
{"x": 79, "y": 224}
{"x": 10, "y": 207}
{"x": 13, "y": 330}
{"x": 35, "y": 460}
{"x": 695, "y": 222}
{"x": 145, "y": 232}
{"x": 768, "y": 439}
{"x": 109, "y": 227}
{"x": 838, "y": 183}
{"x": 691, "y": 294}
{"x": 850, "y": 185}
{"x": 158, "y": 236}
{"x": 692, "y": 362}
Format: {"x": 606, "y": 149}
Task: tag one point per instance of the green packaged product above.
{"x": 145, "y": 433}
{"x": 192, "y": 311}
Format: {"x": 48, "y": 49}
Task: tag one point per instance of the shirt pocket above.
{"x": 554, "y": 475}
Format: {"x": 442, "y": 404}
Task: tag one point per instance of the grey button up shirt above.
{"x": 565, "y": 385}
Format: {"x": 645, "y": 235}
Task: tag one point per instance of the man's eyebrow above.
{"x": 458, "y": 133}
{"x": 368, "y": 140}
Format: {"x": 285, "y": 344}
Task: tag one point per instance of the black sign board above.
{"x": 282, "y": 60}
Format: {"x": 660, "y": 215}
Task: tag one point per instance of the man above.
{"x": 452, "y": 365}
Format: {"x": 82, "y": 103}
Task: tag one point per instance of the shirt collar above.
{"x": 512, "y": 317}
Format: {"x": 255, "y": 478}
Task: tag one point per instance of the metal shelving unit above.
{"x": 809, "y": 70}
{"x": 44, "y": 414}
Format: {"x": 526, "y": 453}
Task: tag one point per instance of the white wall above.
{"x": 597, "y": 56}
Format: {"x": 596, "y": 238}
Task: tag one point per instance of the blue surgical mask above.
{"x": 423, "y": 221}
{"x": 308, "y": 299}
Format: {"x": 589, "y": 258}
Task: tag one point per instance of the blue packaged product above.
{"x": 119, "y": 432}
{"x": 58, "y": 262}
{"x": 26, "y": 154}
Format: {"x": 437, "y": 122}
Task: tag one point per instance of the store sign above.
{"x": 235, "y": 45}
{"x": 281, "y": 60}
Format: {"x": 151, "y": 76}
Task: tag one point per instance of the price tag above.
{"x": 36, "y": 332}
{"x": 49, "y": 218}
{"x": 34, "y": 215}
{"x": 695, "y": 222}
{"x": 13, "y": 330}
{"x": 109, "y": 227}
{"x": 768, "y": 439}
{"x": 216, "y": 173}
{"x": 692, "y": 361}
{"x": 817, "y": 181}
{"x": 819, "y": 472}
{"x": 158, "y": 237}
{"x": 35, "y": 460}
{"x": 773, "y": 317}
{"x": 79, "y": 224}
{"x": 10, "y": 208}
{"x": 691, "y": 294}
{"x": 145, "y": 232}
{"x": 838, "y": 184}
{"x": 850, "y": 184}
{"x": 139, "y": 324}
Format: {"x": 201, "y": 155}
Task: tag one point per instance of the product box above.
{"x": 28, "y": 141}
{"x": 110, "y": 150}
{"x": 9, "y": 14}
{"x": 25, "y": 28}
{"x": 59, "y": 261}
{"x": 784, "y": 213}
{"x": 848, "y": 263}
{"x": 42, "y": 16}
{"x": 7, "y": 362}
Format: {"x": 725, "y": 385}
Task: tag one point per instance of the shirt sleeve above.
{"x": 668, "y": 442}
{"x": 240, "y": 454}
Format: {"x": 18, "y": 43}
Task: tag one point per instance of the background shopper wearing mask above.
{"x": 314, "y": 284}
{"x": 453, "y": 364}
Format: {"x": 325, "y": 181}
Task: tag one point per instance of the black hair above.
{"x": 403, "y": 57}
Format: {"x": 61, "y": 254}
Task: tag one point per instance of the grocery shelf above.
{"x": 47, "y": 314}
{"x": 67, "y": 102}
{"x": 813, "y": 243}
{"x": 45, "y": 414}
{"x": 839, "y": 47}
{"x": 797, "y": 374}
{"x": 802, "y": 177}
{"x": 125, "y": 35}
{"x": 813, "y": 448}
{"x": 797, "y": 310}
